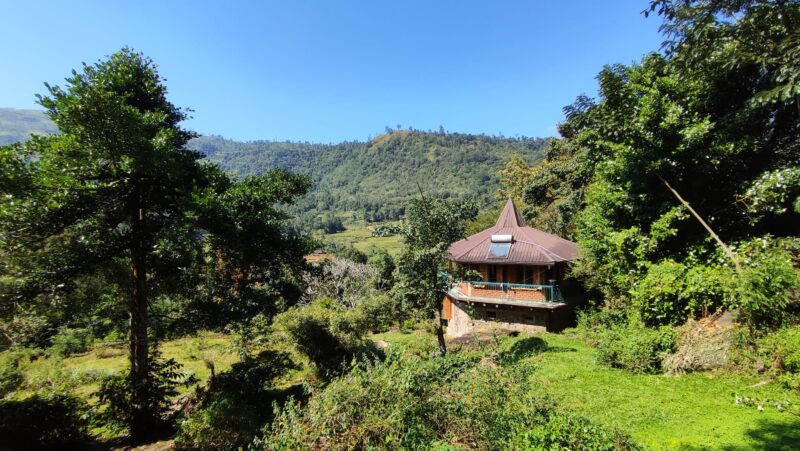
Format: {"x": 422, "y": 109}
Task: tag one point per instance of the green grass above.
{"x": 191, "y": 352}
{"x": 360, "y": 237}
{"x": 695, "y": 411}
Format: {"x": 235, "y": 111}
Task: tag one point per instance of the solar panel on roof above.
{"x": 499, "y": 250}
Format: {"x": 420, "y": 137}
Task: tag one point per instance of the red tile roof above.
{"x": 530, "y": 246}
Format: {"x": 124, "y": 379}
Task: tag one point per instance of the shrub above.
{"x": 671, "y": 292}
{"x": 11, "y": 376}
{"x": 222, "y": 424}
{"x": 384, "y": 265}
{"x": 54, "y": 422}
{"x": 408, "y": 402}
{"x": 379, "y": 312}
{"x": 566, "y": 432}
{"x": 237, "y": 403}
{"x": 329, "y": 338}
{"x": 26, "y": 328}
{"x": 343, "y": 281}
{"x": 781, "y": 352}
{"x": 593, "y": 322}
{"x": 768, "y": 290}
{"x": 116, "y": 392}
{"x": 72, "y": 341}
{"x": 636, "y": 348}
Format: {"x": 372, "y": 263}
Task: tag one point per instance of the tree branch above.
{"x": 724, "y": 247}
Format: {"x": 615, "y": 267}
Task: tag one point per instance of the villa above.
{"x": 521, "y": 284}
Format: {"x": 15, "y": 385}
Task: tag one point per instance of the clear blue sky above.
{"x": 338, "y": 70}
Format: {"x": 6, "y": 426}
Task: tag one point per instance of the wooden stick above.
{"x": 724, "y": 247}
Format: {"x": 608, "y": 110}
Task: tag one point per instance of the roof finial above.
{"x": 510, "y": 217}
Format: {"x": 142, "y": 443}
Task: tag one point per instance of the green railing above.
{"x": 509, "y": 291}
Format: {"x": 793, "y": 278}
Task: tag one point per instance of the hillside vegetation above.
{"x": 375, "y": 179}
{"x": 18, "y": 125}
{"x": 370, "y": 180}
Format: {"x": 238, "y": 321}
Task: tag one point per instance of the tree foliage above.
{"x": 432, "y": 226}
{"x": 716, "y": 120}
{"x": 376, "y": 179}
{"x": 119, "y": 199}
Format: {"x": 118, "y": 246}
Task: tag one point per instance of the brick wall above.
{"x": 521, "y": 294}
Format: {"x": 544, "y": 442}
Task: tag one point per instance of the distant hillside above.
{"x": 375, "y": 179}
{"x": 18, "y": 125}
{"x": 367, "y": 180}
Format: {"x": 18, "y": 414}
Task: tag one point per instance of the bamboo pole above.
{"x": 724, "y": 247}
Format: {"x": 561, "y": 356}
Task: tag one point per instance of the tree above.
{"x": 738, "y": 34}
{"x": 514, "y": 177}
{"x": 118, "y": 186}
{"x": 431, "y": 227}
{"x": 681, "y": 154}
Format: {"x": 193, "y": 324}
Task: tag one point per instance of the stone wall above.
{"x": 468, "y": 316}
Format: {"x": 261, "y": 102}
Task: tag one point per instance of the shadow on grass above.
{"x": 529, "y": 347}
{"x": 771, "y": 435}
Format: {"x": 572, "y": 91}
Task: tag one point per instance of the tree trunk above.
{"x": 437, "y": 325}
{"x": 140, "y": 417}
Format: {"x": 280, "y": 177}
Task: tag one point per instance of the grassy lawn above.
{"x": 82, "y": 373}
{"x": 360, "y": 237}
{"x": 695, "y": 411}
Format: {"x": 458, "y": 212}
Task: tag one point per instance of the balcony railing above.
{"x": 507, "y": 291}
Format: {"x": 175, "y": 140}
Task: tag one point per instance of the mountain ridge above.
{"x": 371, "y": 180}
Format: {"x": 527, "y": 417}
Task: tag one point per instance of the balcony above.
{"x": 506, "y": 293}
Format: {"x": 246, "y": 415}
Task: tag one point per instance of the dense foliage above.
{"x": 230, "y": 411}
{"x": 408, "y": 402}
{"x": 680, "y": 183}
{"x": 712, "y": 124}
{"x": 115, "y": 210}
{"x": 432, "y": 226}
{"x": 53, "y": 421}
{"x": 376, "y": 179}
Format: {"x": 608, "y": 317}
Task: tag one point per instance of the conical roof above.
{"x": 510, "y": 216}
{"x": 510, "y": 241}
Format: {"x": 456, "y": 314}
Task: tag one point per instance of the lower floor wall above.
{"x": 466, "y": 316}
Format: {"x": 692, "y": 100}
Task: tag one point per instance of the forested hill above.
{"x": 375, "y": 179}
{"x": 370, "y": 180}
{"x": 17, "y": 125}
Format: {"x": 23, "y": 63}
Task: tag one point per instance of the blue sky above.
{"x": 338, "y": 70}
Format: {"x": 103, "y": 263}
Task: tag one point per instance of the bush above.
{"x": 54, "y": 422}
{"x": 222, "y": 424}
{"x": 594, "y": 322}
{"x": 671, "y": 292}
{"x": 72, "y": 341}
{"x": 408, "y": 402}
{"x": 26, "y": 328}
{"x": 379, "y": 312}
{"x": 636, "y": 348}
{"x": 768, "y": 290}
{"x": 570, "y": 432}
{"x": 236, "y": 405}
{"x": 11, "y": 376}
{"x": 780, "y": 351}
{"x": 116, "y": 392}
{"x": 329, "y": 338}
